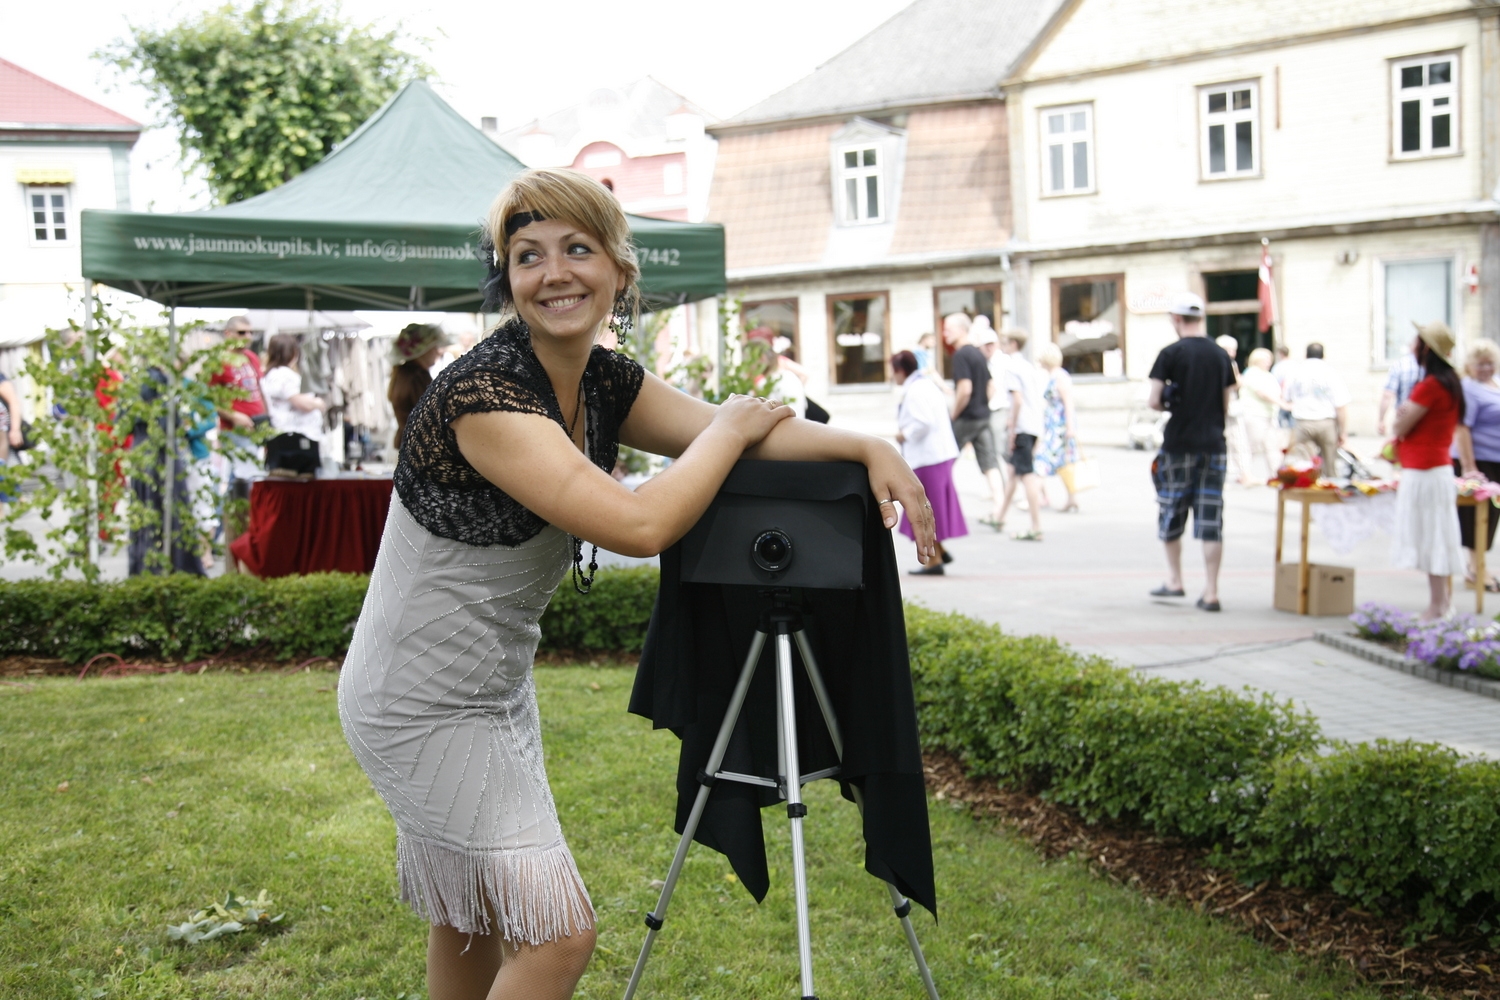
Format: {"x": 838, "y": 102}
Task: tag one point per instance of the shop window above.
{"x": 1230, "y": 113}
{"x": 1424, "y": 115}
{"x": 1416, "y": 291}
{"x": 1067, "y": 150}
{"x": 1088, "y": 323}
{"x": 1233, "y": 306}
{"x": 47, "y": 208}
{"x": 774, "y": 320}
{"x": 860, "y": 328}
{"x": 971, "y": 300}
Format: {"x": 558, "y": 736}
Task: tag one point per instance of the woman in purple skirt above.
{"x": 927, "y": 443}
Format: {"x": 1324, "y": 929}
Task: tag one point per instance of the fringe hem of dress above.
{"x": 535, "y": 894}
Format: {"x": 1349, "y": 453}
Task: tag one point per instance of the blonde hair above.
{"x": 1480, "y": 349}
{"x": 1227, "y": 344}
{"x": 1258, "y": 355}
{"x": 1049, "y": 356}
{"x": 574, "y": 198}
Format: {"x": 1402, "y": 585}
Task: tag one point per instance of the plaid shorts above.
{"x": 1195, "y": 482}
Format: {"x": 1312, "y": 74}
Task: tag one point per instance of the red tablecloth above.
{"x": 313, "y": 527}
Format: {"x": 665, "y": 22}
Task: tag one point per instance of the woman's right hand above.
{"x": 750, "y": 417}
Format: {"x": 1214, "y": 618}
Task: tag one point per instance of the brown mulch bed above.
{"x": 1320, "y": 924}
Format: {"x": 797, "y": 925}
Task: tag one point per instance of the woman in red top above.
{"x": 1427, "y": 536}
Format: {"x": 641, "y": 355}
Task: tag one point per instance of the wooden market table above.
{"x": 315, "y": 526}
{"x": 1307, "y": 496}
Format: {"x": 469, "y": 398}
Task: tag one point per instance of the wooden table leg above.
{"x": 1481, "y": 542}
{"x": 1280, "y": 522}
{"x": 1304, "y": 571}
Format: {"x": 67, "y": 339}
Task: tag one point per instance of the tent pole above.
{"x": 169, "y": 488}
{"x": 92, "y": 456}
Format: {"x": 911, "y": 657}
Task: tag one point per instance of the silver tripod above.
{"x": 786, "y": 622}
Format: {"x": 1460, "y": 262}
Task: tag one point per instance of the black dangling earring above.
{"x": 621, "y": 321}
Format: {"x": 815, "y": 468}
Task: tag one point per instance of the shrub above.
{"x": 1404, "y": 825}
{"x": 613, "y": 616}
{"x": 1179, "y": 758}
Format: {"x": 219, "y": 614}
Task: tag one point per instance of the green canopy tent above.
{"x": 388, "y": 220}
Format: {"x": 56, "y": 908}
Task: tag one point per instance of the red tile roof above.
{"x": 28, "y": 99}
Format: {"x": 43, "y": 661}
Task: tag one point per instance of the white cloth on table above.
{"x": 1345, "y": 525}
{"x": 1426, "y": 535}
{"x": 438, "y": 703}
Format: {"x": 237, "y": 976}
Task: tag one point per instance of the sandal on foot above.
{"x": 1026, "y": 536}
{"x": 1165, "y": 591}
{"x": 1208, "y": 605}
{"x": 992, "y": 522}
{"x": 934, "y": 570}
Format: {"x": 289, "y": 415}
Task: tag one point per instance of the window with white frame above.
{"x": 1067, "y": 150}
{"x": 1230, "y": 116}
{"x": 47, "y": 215}
{"x": 863, "y": 194}
{"x": 1424, "y": 115}
{"x": 1416, "y": 291}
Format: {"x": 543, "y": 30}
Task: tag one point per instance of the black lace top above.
{"x": 437, "y": 484}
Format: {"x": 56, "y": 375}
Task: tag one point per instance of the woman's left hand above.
{"x": 891, "y": 479}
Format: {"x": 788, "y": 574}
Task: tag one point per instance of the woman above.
{"x": 925, "y": 434}
{"x": 502, "y": 477}
{"x": 1476, "y": 444}
{"x": 1235, "y": 440}
{"x": 1260, "y": 401}
{"x": 1059, "y": 444}
{"x": 1426, "y": 536}
{"x": 415, "y": 351}
{"x": 291, "y": 410}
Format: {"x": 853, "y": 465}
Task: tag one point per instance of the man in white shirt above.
{"x": 1025, "y": 386}
{"x": 1319, "y": 402}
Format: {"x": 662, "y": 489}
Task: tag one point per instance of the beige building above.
{"x": 872, "y": 197}
{"x": 1155, "y": 143}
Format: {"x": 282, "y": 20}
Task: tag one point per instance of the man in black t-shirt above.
{"x": 1192, "y": 379}
{"x": 971, "y": 401}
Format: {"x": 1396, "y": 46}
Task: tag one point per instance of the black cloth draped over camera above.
{"x": 696, "y": 646}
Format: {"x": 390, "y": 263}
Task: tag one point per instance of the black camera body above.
{"x": 747, "y": 539}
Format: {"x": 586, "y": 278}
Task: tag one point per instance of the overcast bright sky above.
{"x": 515, "y": 61}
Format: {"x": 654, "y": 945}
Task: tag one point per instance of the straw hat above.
{"x": 416, "y": 340}
{"x": 1437, "y": 337}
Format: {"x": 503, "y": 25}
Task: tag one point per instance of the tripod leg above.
{"x": 657, "y": 917}
{"x": 899, "y": 903}
{"x": 795, "y": 810}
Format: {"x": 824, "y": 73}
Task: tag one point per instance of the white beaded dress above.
{"x": 436, "y": 696}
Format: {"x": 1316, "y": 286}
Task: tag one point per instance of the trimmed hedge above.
{"x": 1391, "y": 826}
{"x": 181, "y": 617}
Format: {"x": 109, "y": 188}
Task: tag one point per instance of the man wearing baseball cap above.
{"x": 1191, "y": 379}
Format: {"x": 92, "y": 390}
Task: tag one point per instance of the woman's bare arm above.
{"x": 666, "y": 422}
{"x": 1408, "y": 417}
{"x": 532, "y": 460}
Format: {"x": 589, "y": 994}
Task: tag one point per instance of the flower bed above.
{"x": 1465, "y": 643}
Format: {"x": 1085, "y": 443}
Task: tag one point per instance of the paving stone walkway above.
{"x": 1087, "y": 584}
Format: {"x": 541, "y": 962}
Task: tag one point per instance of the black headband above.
{"x": 520, "y": 220}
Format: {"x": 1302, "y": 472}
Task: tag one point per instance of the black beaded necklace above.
{"x": 583, "y": 583}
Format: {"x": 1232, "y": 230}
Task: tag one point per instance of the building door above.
{"x": 1233, "y": 306}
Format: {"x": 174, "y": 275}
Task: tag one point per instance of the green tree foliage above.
{"x": 258, "y": 94}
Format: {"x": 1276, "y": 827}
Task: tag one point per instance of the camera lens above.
{"x": 772, "y": 550}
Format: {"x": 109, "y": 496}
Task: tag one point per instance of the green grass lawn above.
{"x": 180, "y": 788}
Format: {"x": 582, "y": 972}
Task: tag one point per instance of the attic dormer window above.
{"x": 864, "y": 199}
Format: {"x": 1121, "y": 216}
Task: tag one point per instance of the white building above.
{"x": 59, "y": 154}
{"x": 1154, "y": 143}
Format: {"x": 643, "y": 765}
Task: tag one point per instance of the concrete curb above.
{"x": 1387, "y": 657}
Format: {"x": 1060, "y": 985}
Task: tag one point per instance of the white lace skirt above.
{"x": 438, "y": 703}
{"x": 1425, "y": 535}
